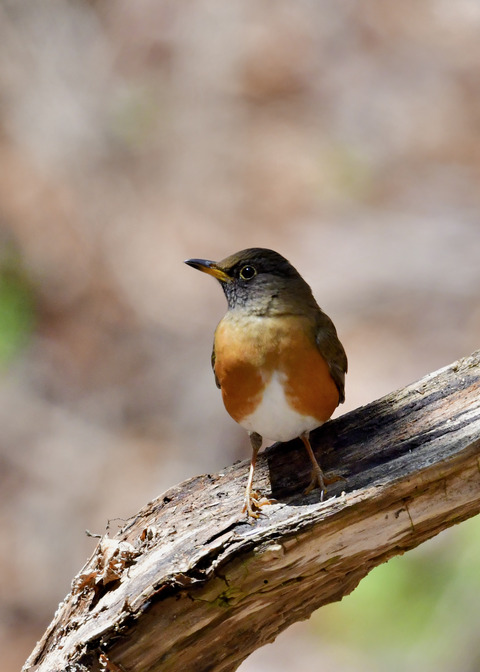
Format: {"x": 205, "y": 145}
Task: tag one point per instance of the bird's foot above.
{"x": 319, "y": 480}
{"x": 254, "y": 502}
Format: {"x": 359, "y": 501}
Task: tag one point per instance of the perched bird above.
{"x": 276, "y": 355}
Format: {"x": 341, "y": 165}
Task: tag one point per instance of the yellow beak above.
{"x": 210, "y": 267}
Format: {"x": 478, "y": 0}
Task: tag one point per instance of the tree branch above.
{"x": 189, "y": 583}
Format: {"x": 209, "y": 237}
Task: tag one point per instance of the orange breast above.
{"x": 309, "y": 387}
{"x": 249, "y": 350}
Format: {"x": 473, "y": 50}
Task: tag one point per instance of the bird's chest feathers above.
{"x": 255, "y": 346}
{"x": 274, "y": 380}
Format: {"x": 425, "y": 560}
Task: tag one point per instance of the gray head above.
{"x": 259, "y": 281}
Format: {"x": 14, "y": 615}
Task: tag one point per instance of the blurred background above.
{"x": 343, "y": 134}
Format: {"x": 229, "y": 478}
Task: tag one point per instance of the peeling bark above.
{"x": 189, "y": 583}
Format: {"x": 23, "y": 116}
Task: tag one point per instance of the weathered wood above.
{"x": 189, "y": 583}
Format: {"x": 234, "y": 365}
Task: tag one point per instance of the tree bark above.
{"x": 190, "y": 583}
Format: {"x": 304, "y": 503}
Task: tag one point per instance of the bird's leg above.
{"x": 251, "y": 501}
{"x": 317, "y": 473}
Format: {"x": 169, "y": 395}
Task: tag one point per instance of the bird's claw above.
{"x": 254, "y": 502}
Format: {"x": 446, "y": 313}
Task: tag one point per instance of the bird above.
{"x": 276, "y": 356}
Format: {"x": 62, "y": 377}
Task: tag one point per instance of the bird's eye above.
{"x": 248, "y": 272}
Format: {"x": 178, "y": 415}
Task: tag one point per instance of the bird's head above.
{"x": 258, "y": 280}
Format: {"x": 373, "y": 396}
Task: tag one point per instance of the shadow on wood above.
{"x": 189, "y": 583}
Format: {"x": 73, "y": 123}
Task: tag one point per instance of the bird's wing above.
{"x": 332, "y": 350}
{"x": 217, "y": 382}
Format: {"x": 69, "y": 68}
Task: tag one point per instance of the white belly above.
{"x": 274, "y": 418}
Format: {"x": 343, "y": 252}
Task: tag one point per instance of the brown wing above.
{"x": 212, "y": 359}
{"x": 332, "y": 350}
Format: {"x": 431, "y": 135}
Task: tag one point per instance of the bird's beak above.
{"x": 210, "y": 267}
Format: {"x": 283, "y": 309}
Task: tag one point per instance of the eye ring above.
{"x": 248, "y": 272}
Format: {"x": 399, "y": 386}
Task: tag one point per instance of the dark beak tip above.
{"x": 199, "y": 264}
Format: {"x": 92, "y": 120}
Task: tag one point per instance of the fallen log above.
{"x": 189, "y": 583}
